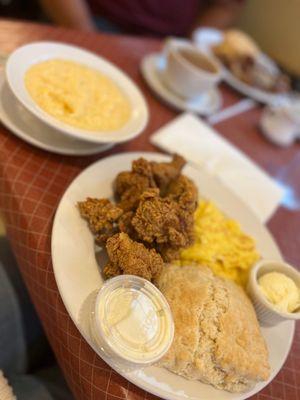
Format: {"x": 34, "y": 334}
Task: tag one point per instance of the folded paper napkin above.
{"x": 201, "y": 145}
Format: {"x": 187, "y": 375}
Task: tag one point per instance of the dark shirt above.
{"x": 153, "y": 17}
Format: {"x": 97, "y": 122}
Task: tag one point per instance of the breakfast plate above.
{"x": 30, "y": 129}
{"x": 152, "y": 68}
{"x": 78, "y": 275}
{"x": 205, "y": 38}
{"x": 22, "y": 59}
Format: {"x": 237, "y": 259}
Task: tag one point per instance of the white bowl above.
{"x": 24, "y": 57}
{"x": 267, "y": 314}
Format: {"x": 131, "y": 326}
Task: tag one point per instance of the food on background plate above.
{"x": 77, "y": 95}
{"x": 235, "y": 45}
{"x": 220, "y": 244}
{"x": 217, "y": 337}
{"x": 151, "y": 221}
{"x": 240, "y": 54}
{"x": 280, "y": 290}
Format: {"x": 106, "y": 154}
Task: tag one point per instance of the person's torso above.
{"x": 156, "y": 17}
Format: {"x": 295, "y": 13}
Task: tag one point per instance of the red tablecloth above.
{"x": 32, "y": 182}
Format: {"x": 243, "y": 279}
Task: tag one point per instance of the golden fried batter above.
{"x": 184, "y": 192}
{"x": 165, "y": 172}
{"x": 130, "y": 185}
{"x": 162, "y": 221}
{"x": 168, "y": 253}
{"x": 154, "y": 213}
{"x": 133, "y": 258}
{"x": 125, "y": 224}
{"x": 101, "y": 215}
{"x": 110, "y": 270}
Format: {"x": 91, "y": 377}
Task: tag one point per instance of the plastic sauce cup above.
{"x": 131, "y": 322}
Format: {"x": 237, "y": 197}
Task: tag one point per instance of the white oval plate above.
{"x": 24, "y": 57}
{"x": 152, "y": 68}
{"x": 78, "y": 274}
{"x": 205, "y": 38}
{"x": 30, "y": 129}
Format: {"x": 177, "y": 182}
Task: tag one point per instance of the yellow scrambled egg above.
{"x": 220, "y": 244}
{"x": 77, "y": 95}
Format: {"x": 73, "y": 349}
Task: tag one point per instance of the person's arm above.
{"x": 70, "y": 13}
{"x": 220, "y": 14}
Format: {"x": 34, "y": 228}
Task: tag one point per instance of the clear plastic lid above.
{"x": 132, "y": 321}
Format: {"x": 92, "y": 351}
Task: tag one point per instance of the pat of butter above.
{"x": 280, "y": 290}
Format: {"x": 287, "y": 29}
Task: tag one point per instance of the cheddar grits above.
{"x": 220, "y": 244}
{"x": 77, "y": 95}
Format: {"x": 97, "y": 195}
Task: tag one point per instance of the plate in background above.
{"x": 205, "y": 38}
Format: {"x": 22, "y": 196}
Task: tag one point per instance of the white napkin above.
{"x": 200, "y": 144}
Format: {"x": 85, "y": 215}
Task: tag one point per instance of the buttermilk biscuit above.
{"x": 217, "y": 336}
{"x": 236, "y": 44}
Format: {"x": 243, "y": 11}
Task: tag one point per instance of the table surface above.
{"x": 32, "y": 182}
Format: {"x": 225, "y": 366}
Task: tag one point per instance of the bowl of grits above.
{"x": 76, "y": 92}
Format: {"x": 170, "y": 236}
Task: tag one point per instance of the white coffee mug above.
{"x": 189, "y": 71}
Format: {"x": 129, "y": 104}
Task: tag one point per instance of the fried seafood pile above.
{"x": 151, "y": 220}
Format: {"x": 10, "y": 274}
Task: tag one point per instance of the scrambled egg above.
{"x": 220, "y": 244}
{"x": 77, "y": 95}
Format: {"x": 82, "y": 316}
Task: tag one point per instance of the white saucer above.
{"x": 152, "y": 68}
{"x": 29, "y": 128}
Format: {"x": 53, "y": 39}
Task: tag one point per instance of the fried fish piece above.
{"x": 184, "y": 192}
{"x": 168, "y": 254}
{"x": 110, "y": 270}
{"x": 125, "y": 223}
{"x": 101, "y": 215}
{"x": 130, "y": 185}
{"x": 166, "y": 172}
{"x": 161, "y": 221}
{"x": 129, "y": 257}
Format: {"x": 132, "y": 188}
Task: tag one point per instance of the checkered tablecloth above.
{"x": 32, "y": 182}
